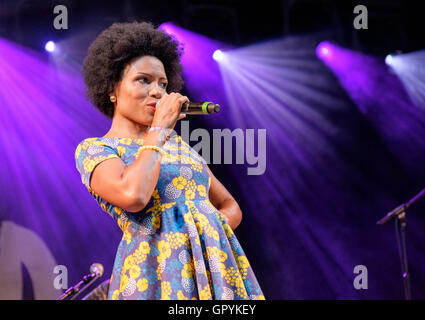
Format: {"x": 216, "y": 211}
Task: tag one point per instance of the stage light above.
{"x": 409, "y": 68}
{"x": 391, "y": 58}
{"x": 323, "y": 50}
{"x": 49, "y": 46}
{"x": 200, "y": 70}
{"x": 166, "y": 28}
{"x": 218, "y": 55}
{"x": 170, "y": 29}
{"x": 381, "y": 91}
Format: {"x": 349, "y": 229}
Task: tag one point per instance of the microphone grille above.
{"x": 97, "y": 269}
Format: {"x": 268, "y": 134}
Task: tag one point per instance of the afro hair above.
{"x": 115, "y": 47}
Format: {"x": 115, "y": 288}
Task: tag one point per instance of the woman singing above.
{"x": 177, "y": 219}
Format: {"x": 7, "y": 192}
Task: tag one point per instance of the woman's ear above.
{"x": 113, "y": 96}
{"x": 114, "y": 92}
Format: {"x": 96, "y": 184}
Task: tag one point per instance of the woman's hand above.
{"x": 167, "y": 111}
{"x": 231, "y": 213}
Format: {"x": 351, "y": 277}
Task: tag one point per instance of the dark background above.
{"x": 393, "y": 25}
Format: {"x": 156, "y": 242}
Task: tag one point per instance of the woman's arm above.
{"x": 121, "y": 185}
{"x": 224, "y": 202}
{"x": 131, "y": 187}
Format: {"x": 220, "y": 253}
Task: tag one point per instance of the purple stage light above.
{"x": 382, "y": 97}
{"x": 49, "y": 46}
{"x": 200, "y": 73}
{"x": 323, "y": 50}
{"x": 388, "y": 59}
{"x": 410, "y": 69}
{"x": 169, "y": 29}
{"x": 218, "y": 55}
{"x": 45, "y": 119}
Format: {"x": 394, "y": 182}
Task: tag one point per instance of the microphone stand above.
{"x": 400, "y": 227}
{"x": 74, "y": 291}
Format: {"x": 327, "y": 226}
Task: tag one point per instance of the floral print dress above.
{"x": 179, "y": 246}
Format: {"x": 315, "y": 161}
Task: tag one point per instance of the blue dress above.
{"x": 179, "y": 246}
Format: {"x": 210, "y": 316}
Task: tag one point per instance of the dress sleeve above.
{"x": 89, "y": 153}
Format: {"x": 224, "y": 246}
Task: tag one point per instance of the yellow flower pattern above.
{"x": 134, "y": 271}
{"x": 126, "y": 141}
{"x": 181, "y": 296}
{"x": 165, "y": 290}
{"x": 189, "y": 194}
{"x": 164, "y": 250}
{"x": 202, "y": 190}
{"x": 115, "y": 294}
{"x": 179, "y": 182}
{"x": 121, "y": 150}
{"x": 176, "y": 240}
{"x": 205, "y": 293}
{"x": 179, "y": 246}
{"x": 141, "y": 253}
{"x": 142, "y": 284}
{"x": 126, "y": 236}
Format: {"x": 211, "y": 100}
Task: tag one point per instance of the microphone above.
{"x": 199, "y": 107}
{"x": 96, "y": 269}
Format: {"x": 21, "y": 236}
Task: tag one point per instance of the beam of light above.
{"x": 49, "y": 46}
{"x": 410, "y": 68}
{"x": 44, "y": 116}
{"x": 279, "y": 85}
{"x": 381, "y": 97}
{"x": 200, "y": 71}
{"x": 71, "y": 51}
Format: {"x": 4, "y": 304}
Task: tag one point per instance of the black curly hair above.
{"x": 115, "y": 47}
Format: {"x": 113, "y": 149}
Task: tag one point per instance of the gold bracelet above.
{"x": 158, "y": 149}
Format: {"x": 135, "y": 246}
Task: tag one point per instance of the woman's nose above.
{"x": 155, "y": 90}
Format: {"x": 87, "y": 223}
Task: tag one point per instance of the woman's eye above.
{"x": 145, "y": 80}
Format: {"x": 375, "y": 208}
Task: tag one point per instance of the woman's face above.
{"x": 142, "y": 84}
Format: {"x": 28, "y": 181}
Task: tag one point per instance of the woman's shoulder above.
{"x": 94, "y": 145}
{"x": 110, "y": 141}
